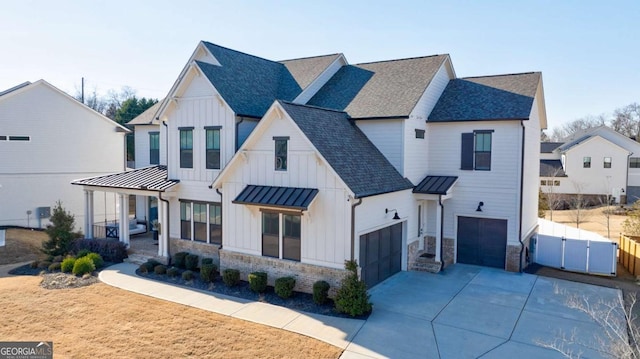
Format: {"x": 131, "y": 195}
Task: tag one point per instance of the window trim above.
{"x": 605, "y": 162}
{"x": 281, "y": 233}
{"x": 585, "y": 163}
{"x": 476, "y": 152}
{"x": 420, "y": 133}
{"x": 154, "y": 134}
{"x": 208, "y": 223}
{"x": 635, "y": 161}
{"x": 213, "y": 150}
{"x": 186, "y": 130}
{"x": 283, "y": 162}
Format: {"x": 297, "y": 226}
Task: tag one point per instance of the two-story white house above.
{"x": 293, "y": 167}
{"x": 592, "y": 163}
{"x": 47, "y": 139}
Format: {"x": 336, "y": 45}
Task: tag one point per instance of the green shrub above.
{"x": 258, "y": 281}
{"x": 208, "y": 272}
{"x": 83, "y": 265}
{"x": 320, "y": 292}
{"x": 352, "y": 297}
{"x": 55, "y": 266}
{"x": 148, "y": 266}
{"x": 153, "y": 262}
{"x": 82, "y": 253}
{"x": 231, "y": 277}
{"x": 173, "y": 272}
{"x": 284, "y": 286}
{"x": 206, "y": 261}
{"x": 187, "y": 275}
{"x": 44, "y": 264}
{"x": 34, "y": 264}
{"x": 179, "y": 259}
{"x": 67, "y": 264}
{"x": 96, "y": 259}
{"x": 143, "y": 268}
{"x": 191, "y": 262}
{"x": 160, "y": 269}
{"x": 110, "y": 249}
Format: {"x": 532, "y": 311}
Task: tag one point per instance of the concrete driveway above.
{"x": 476, "y": 312}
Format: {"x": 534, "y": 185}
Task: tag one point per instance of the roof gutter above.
{"x": 221, "y": 227}
{"x": 353, "y": 226}
{"x": 521, "y": 197}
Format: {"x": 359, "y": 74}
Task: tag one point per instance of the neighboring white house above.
{"x": 293, "y": 167}
{"x": 593, "y": 163}
{"x": 48, "y": 139}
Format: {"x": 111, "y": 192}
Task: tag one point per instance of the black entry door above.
{"x": 482, "y": 241}
{"x": 381, "y": 254}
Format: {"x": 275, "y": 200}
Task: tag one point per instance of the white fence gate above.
{"x": 575, "y": 250}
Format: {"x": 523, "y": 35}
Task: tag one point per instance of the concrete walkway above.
{"x": 5, "y": 268}
{"x": 462, "y": 312}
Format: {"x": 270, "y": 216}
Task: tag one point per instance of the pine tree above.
{"x": 61, "y": 232}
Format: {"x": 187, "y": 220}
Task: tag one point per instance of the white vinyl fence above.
{"x": 575, "y": 250}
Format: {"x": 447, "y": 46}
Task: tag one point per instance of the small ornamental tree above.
{"x": 61, "y": 232}
{"x": 352, "y": 297}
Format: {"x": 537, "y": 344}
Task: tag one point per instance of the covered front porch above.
{"x": 147, "y": 183}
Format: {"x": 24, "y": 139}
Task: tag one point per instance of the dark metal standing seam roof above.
{"x": 435, "y": 184}
{"x": 152, "y": 178}
{"x": 281, "y": 197}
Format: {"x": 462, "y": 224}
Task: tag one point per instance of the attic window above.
{"x": 420, "y": 133}
{"x": 281, "y": 145}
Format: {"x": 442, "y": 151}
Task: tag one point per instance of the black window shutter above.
{"x": 466, "y": 158}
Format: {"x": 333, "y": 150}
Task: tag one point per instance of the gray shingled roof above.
{"x": 551, "y": 168}
{"x": 349, "y": 152}
{"x": 548, "y": 147}
{"x": 307, "y": 69}
{"x": 27, "y": 83}
{"x": 147, "y": 117}
{"x": 249, "y": 84}
{"x": 500, "y": 97}
{"x": 435, "y": 184}
{"x": 281, "y": 197}
{"x": 379, "y": 89}
{"x": 153, "y": 178}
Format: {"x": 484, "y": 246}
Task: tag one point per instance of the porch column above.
{"x": 123, "y": 229}
{"x": 89, "y": 212}
{"x": 438, "y": 232}
{"x": 163, "y": 229}
{"x": 85, "y": 226}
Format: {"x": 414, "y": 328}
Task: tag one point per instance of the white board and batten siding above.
{"x": 67, "y": 141}
{"x": 415, "y": 149}
{"x": 497, "y": 188}
{"x": 326, "y": 224}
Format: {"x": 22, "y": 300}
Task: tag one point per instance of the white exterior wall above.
{"x": 141, "y": 134}
{"x": 531, "y": 173}
{"x": 68, "y": 141}
{"x": 388, "y": 137}
{"x": 416, "y": 157}
{"x": 324, "y": 226}
{"x": 497, "y": 188}
{"x": 597, "y": 179}
{"x": 322, "y": 79}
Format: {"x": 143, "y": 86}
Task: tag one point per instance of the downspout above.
{"x": 353, "y": 227}
{"x": 521, "y": 196}
{"x": 164, "y": 123}
{"x": 236, "y": 139}
{"x": 168, "y": 224}
{"x": 166, "y": 135}
{"x": 441, "y": 231}
{"x": 626, "y": 181}
{"x": 221, "y": 215}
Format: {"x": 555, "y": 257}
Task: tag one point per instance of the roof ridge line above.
{"x": 240, "y": 52}
{"x": 310, "y": 57}
{"x": 499, "y": 75}
{"x": 403, "y": 59}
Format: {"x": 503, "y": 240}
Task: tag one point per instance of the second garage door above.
{"x": 381, "y": 254}
{"x": 482, "y": 241}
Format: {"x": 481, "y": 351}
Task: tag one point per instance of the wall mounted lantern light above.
{"x": 396, "y": 217}
{"x": 480, "y": 204}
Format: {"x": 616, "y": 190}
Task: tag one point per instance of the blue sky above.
{"x": 587, "y": 50}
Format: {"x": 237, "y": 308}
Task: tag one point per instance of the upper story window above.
{"x": 607, "y": 162}
{"x": 634, "y": 162}
{"x": 476, "y": 150}
{"x": 281, "y": 144}
{"x": 186, "y": 147}
{"x": 213, "y": 147}
{"x": 15, "y": 138}
{"x": 586, "y": 162}
{"x": 154, "y": 148}
{"x": 420, "y": 133}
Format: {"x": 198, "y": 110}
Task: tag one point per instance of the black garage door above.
{"x": 482, "y": 241}
{"x": 381, "y": 254}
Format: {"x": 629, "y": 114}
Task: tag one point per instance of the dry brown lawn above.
{"x": 593, "y": 220}
{"x": 22, "y": 245}
{"x": 100, "y": 321}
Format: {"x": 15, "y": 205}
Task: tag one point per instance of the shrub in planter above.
{"x": 44, "y": 264}
{"x": 179, "y": 258}
{"x": 82, "y": 253}
{"x": 258, "y": 281}
{"x": 208, "y": 272}
{"x": 231, "y": 277}
{"x": 320, "y": 292}
{"x": 96, "y": 259}
{"x": 173, "y": 272}
{"x": 160, "y": 269}
{"x": 83, "y": 265}
{"x": 55, "y": 266}
{"x": 352, "y": 297}
{"x": 206, "y": 261}
{"x": 284, "y": 286}
{"x": 187, "y": 275}
{"x": 153, "y": 263}
{"x": 110, "y": 250}
{"x": 143, "y": 268}
{"x": 148, "y": 266}
{"x": 67, "y": 264}
{"x": 191, "y": 262}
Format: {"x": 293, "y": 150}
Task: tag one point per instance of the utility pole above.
{"x": 82, "y": 93}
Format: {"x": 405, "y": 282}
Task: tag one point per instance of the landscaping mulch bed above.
{"x": 298, "y": 301}
{"x": 57, "y": 279}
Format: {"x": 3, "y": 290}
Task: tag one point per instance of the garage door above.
{"x": 482, "y": 241}
{"x": 381, "y": 254}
